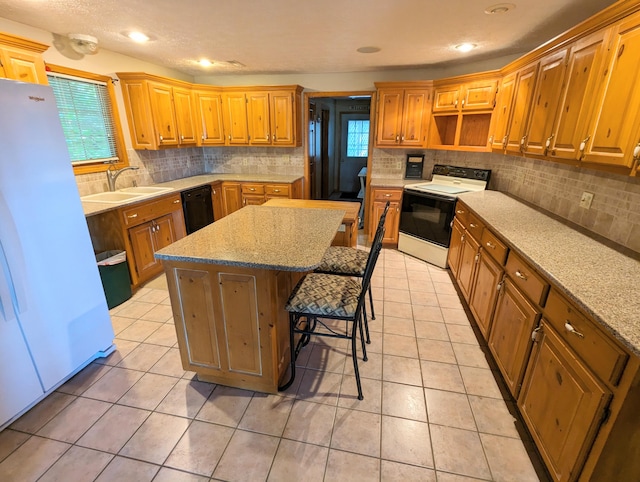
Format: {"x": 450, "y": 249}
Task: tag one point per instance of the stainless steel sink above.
{"x": 126, "y": 194}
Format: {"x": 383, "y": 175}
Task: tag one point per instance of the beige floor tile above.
{"x": 165, "y": 336}
{"x": 120, "y": 323}
{"x": 405, "y": 401}
{"x": 78, "y": 464}
{"x": 399, "y": 345}
{"x": 396, "y": 472}
{"x": 406, "y": 441}
{"x": 149, "y": 391}
{"x": 450, "y": 409}
{"x": 436, "y": 350}
{"x": 423, "y": 295}
{"x": 397, "y": 272}
{"x": 169, "y": 364}
{"x": 155, "y": 439}
{"x": 449, "y": 301}
{"x": 327, "y": 358}
{"x": 139, "y": 331}
{"x": 432, "y": 330}
{"x": 376, "y": 341}
{"x": 459, "y": 451}
{"x": 31, "y": 459}
{"x": 439, "y": 275}
{"x": 171, "y": 475}
{"x": 293, "y": 457}
{"x": 441, "y": 376}
{"x": 267, "y": 414}
{"x": 10, "y": 440}
{"x": 43, "y": 412}
{"x": 248, "y": 457}
{"x": 470, "y": 355}
{"x": 74, "y": 420}
{"x": 357, "y": 432}
{"x": 157, "y": 283}
{"x": 372, "y": 368}
{"x": 186, "y": 398}
{"x": 122, "y": 469}
{"x": 421, "y": 276}
{"x": 448, "y": 477}
{"x": 160, "y": 313}
{"x": 345, "y": 466}
{"x": 493, "y": 417}
{"x": 225, "y": 406}
{"x": 84, "y": 379}
{"x": 114, "y": 429}
{"x": 371, "y": 392}
{"x": 123, "y": 348}
{"x": 320, "y": 387}
{"x": 143, "y": 357}
{"x": 154, "y": 296}
{"x": 134, "y": 309}
{"x": 444, "y": 288}
{"x": 479, "y": 381}
{"x": 508, "y": 459}
{"x": 462, "y": 334}
{"x": 400, "y": 296}
{"x": 200, "y": 448}
{"x": 399, "y": 326}
{"x": 401, "y": 370}
{"x": 396, "y": 283}
{"x": 455, "y": 316}
{"x": 397, "y": 310}
{"x": 311, "y": 423}
{"x": 113, "y": 384}
{"x": 427, "y": 313}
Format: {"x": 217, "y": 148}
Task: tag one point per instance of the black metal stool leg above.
{"x": 373, "y": 315}
{"x": 366, "y": 323}
{"x": 292, "y": 322}
{"x": 354, "y": 356}
{"x": 364, "y": 347}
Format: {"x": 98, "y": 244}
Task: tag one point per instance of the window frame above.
{"x": 98, "y": 166}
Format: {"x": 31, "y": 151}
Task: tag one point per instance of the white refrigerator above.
{"x": 54, "y": 318}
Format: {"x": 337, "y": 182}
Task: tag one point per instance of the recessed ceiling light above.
{"x": 369, "y": 50}
{"x": 465, "y": 47}
{"x": 205, "y": 62}
{"x": 137, "y": 36}
{"x": 499, "y": 8}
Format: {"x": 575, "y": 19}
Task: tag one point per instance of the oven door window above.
{"x": 427, "y": 217}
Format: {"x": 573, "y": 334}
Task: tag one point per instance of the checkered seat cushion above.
{"x": 343, "y": 260}
{"x": 325, "y": 295}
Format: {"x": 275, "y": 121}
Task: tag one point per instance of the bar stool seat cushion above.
{"x": 344, "y": 260}
{"x": 325, "y": 295}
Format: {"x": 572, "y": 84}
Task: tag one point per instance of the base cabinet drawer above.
{"x": 562, "y": 403}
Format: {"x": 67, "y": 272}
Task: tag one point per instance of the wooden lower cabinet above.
{"x": 484, "y": 294}
{"x": 510, "y": 338}
{"x": 455, "y": 246}
{"x": 380, "y": 197}
{"x": 562, "y": 403}
{"x": 216, "y": 201}
{"x": 231, "y": 197}
{"x": 466, "y": 269}
{"x": 231, "y": 324}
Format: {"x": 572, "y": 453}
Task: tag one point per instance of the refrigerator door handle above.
{"x": 6, "y": 302}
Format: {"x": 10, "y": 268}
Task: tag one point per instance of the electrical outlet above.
{"x": 586, "y": 200}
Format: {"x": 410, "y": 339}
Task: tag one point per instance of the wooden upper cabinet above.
{"x": 402, "y": 116}
{"x": 21, "y": 59}
{"x": 273, "y": 117}
{"x": 446, "y": 99}
{"x": 502, "y": 114}
{"x": 475, "y": 95}
{"x": 185, "y": 116}
{"x": 258, "y": 118}
{"x": 545, "y": 103}
{"x": 139, "y": 116}
{"x": 163, "y": 114}
{"x": 576, "y": 100}
{"x": 234, "y": 114}
{"x": 523, "y": 93}
{"x": 614, "y": 130}
{"x": 209, "y": 114}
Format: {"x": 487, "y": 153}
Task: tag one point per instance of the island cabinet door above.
{"x": 143, "y": 247}
{"x": 562, "y": 403}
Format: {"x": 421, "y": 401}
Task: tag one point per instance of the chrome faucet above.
{"x": 113, "y": 173}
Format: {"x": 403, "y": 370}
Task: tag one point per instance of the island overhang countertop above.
{"x": 291, "y": 239}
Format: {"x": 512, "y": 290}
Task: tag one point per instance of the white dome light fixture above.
{"x": 465, "y": 47}
{"x": 499, "y": 8}
{"x": 83, "y": 44}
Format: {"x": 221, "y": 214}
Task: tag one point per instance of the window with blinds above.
{"x": 86, "y": 113}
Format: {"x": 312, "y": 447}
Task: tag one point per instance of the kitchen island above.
{"x": 228, "y": 285}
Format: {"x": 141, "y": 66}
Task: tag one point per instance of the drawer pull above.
{"x": 252, "y": 189}
{"x": 176, "y": 201}
{"x": 521, "y": 275}
{"x": 471, "y": 225}
{"x": 569, "y": 327}
{"x": 459, "y": 211}
{"x": 387, "y": 195}
{"x": 491, "y": 245}
{"x": 276, "y": 190}
{"x": 131, "y": 216}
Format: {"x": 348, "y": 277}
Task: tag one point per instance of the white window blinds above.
{"x": 85, "y": 110}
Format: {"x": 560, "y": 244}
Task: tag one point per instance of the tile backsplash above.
{"x": 254, "y": 160}
{"x": 554, "y": 187}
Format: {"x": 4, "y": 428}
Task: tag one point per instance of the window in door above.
{"x": 357, "y": 138}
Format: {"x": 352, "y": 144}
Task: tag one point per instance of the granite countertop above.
{"x": 288, "y": 239}
{"x": 92, "y": 208}
{"x": 599, "y": 279}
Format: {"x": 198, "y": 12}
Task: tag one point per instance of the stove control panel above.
{"x": 462, "y": 172}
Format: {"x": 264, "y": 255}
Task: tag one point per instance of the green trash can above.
{"x": 114, "y": 274}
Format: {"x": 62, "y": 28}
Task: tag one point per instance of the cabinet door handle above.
{"x": 463, "y": 103}
{"x": 182, "y": 138}
{"x": 521, "y": 275}
{"x": 176, "y": 201}
{"x": 523, "y": 141}
{"x": 505, "y": 140}
{"x": 161, "y": 139}
{"x": 471, "y": 225}
{"x": 203, "y": 137}
{"x": 132, "y": 216}
{"x": 535, "y": 333}
{"x": 455, "y": 104}
{"x": 491, "y": 245}
{"x": 229, "y": 136}
{"x": 462, "y": 238}
{"x": 397, "y": 138}
{"x": 636, "y": 152}
{"x": 583, "y": 146}
{"x": 477, "y": 258}
{"x": 459, "y": 211}
{"x": 569, "y": 327}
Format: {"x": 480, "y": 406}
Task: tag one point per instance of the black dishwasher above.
{"x": 197, "y": 207}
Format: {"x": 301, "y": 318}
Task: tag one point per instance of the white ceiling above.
{"x": 301, "y": 36}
